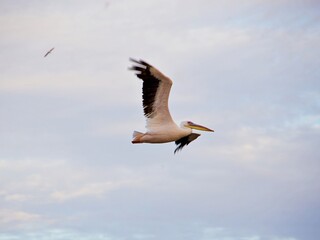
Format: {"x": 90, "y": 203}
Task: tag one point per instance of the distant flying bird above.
{"x": 49, "y": 52}
{"x": 160, "y": 126}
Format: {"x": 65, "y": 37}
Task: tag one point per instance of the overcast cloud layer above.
{"x": 248, "y": 69}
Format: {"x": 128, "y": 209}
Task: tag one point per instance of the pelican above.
{"x": 160, "y": 126}
{"x": 49, "y": 52}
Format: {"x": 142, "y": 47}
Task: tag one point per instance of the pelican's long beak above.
{"x": 199, "y": 127}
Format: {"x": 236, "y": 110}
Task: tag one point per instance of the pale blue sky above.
{"x": 248, "y": 69}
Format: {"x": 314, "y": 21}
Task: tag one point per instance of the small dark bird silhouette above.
{"x": 49, "y": 52}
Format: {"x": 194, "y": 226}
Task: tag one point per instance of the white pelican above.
{"x": 49, "y": 52}
{"x": 160, "y": 126}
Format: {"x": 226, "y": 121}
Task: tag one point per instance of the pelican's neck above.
{"x": 183, "y": 126}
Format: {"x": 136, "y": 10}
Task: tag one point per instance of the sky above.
{"x": 247, "y": 69}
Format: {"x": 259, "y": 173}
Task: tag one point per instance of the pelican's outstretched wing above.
{"x": 155, "y": 94}
{"x": 185, "y": 141}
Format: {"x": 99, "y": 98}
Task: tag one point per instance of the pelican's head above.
{"x": 192, "y": 125}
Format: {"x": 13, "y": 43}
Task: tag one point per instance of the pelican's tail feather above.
{"x": 137, "y": 137}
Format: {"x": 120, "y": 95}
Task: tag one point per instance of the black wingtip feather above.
{"x": 134, "y": 60}
{"x": 150, "y": 85}
{"x": 182, "y": 142}
{"x": 137, "y": 68}
{"x": 141, "y": 62}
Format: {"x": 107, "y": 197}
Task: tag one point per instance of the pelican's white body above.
{"x": 162, "y": 134}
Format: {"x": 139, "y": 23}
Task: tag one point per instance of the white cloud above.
{"x": 70, "y": 234}
{"x": 41, "y": 177}
{"x": 283, "y": 238}
{"x": 93, "y": 190}
{"x": 57, "y": 234}
{"x": 219, "y": 233}
{"x": 16, "y": 197}
{"x": 142, "y": 236}
{"x": 11, "y": 219}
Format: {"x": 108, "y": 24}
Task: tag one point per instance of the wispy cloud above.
{"x": 92, "y": 190}
{"x": 58, "y": 234}
{"x": 206, "y": 233}
{"x": 249, "y": 70}
{"x": 225, "y": 234}
{"x": 19, "y": 220}
{"x": 8, "y": 216}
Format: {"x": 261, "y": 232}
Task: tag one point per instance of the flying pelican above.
{"x": 160, "y": 126}
{"x": 49, "y": 52}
